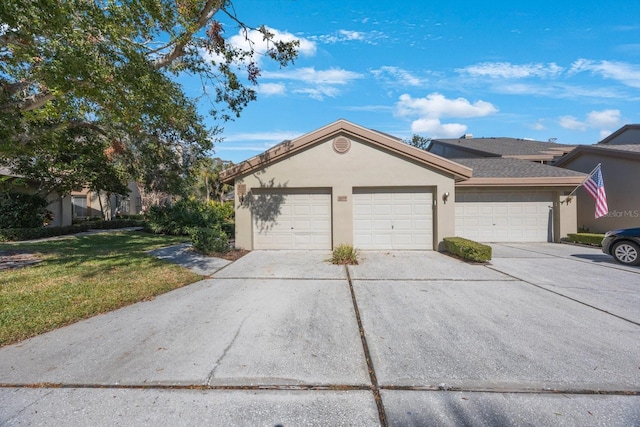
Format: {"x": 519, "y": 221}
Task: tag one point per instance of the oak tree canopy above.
{"x": 90, "y": 93}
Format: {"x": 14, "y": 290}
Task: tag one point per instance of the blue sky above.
{"x": 546, "y": 69}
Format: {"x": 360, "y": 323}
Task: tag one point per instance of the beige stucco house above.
{"x": 344, "y": 183}
{"x": 619, "y": 155}
{"x": 79, "y": 204}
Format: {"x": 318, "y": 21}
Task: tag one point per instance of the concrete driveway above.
{"x": 544, "y": 335}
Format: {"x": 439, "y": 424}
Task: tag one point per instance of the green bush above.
{"x": 593, "y": 239}
{"x": 185, "y": 215}
{"x": 208, "y": 240}
{"x": 17, "y": 234}
{"x": 468, "y": 249}
{"x": 22, "y": 210}
{"x": 344, "y": 254}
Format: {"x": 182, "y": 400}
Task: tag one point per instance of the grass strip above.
{"x": 83, "y": 276}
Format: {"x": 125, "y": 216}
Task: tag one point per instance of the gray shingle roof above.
{"x": 634, "y": 148}
{"x": 508, "y": 146}
{"x": 496, "y": 167}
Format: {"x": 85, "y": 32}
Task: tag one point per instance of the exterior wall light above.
{"x": 445, "y": 197}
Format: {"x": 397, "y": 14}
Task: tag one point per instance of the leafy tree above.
{"x": 89, "y": 91}
{"x": 418, "y": 141}
{"x": 208, "y": 184}
{"x": 22, "y": 210}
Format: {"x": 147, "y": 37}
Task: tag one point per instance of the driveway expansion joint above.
{"x": 513, "y": 390}
{"x": 202, "y": 387}
{"x": 367, "y": 355}
{"x": 570, "y": 298}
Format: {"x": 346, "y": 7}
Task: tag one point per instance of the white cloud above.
{"x": 351, "y": 35}
{"x": 432, "y": 108}
{"x": 342, "y": 36}
{"x": 435, "y": 105}
{"x": 396, "y": 76}
{"x": 506, "y": 70}
{"x": 628, "y": 74}
{"x": 332, "y": 76}
{"x": 255, "y": 39}
{"x": 539, "y": 125}
{"x": 435, "y": 129}
{"x": 271, "y": 89}
{"x": 318, "y": 83}
{"x": 605, "y": 133}
{"x": 320, "y": 92}
{"x": 602, "y": 120}
{"x": 572, "y": 123}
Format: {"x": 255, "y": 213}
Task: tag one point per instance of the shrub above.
{"x": 181, "y": 217}
{"x": 593, "y": 239}
{"x": 344, "y": 255}
{"x": 22, "y": 210}
{"x": 468, "y": 249}
{"x": 17, "y": 234}
{"x": 208, "y": 240}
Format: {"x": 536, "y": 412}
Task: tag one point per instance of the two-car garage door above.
{"x": 504, "y": 216}
{"x": 382, "y": 219}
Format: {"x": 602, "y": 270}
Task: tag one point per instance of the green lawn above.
{"x": 80, "y": 277}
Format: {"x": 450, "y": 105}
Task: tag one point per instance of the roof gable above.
{"x": 342, "y": 127}
{"x": 635, "y": 128}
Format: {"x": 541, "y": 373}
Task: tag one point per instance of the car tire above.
{"x": 626, "y": 253}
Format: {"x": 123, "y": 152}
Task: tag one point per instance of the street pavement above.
{"x": 545, "y": 334}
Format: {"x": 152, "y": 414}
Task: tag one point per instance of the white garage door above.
{"x": 292, "y": 220}
{"x": 503, "y": 216}
{"x": 389, "y": 219}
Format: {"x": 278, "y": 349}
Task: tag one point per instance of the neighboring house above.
{"x": 59, "y": 206}
{"x": 347, "y": 184}
{"x": 619, "y": 155}
{"x": 81, "y": 204}
{"x": 469, "y": 147}
{"x": 87, "y": 204}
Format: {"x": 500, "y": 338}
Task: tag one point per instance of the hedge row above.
{"x": 468, "y": 249}
{"x": 592, "y": 239}
{"x": 17, "y": 234}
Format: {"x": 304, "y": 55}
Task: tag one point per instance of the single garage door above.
{"x": 393, "y": 219}
{"x": 503, "y": 216}
{"x": 291, "y": 220}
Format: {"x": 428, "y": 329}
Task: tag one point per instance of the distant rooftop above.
{"x": 508, "y": 147}
{"x": 496, "y": 167}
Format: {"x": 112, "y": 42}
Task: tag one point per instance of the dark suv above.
{"x": 623, "y": 244}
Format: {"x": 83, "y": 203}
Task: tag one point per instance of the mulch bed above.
{"x": 232, "y": 255}
{"x": 11, "y": 259}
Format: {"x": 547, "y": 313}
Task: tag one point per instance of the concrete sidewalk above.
{"x": 284, "y": 338}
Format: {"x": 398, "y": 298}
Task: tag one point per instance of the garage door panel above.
{"x": 303, "y": 221}
{"x": 503, "y": 216}
{"x": 393, "y": 220}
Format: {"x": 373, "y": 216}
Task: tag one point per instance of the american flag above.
{"x": 594, "y": 185}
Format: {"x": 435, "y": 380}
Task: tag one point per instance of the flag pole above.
{"x": 568, "y": 198}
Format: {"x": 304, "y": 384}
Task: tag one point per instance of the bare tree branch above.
{"x": 210, "y": 8}
{"x": 29, "y": 103}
